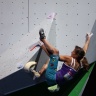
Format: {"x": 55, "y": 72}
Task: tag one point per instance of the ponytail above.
{"x": 85, "y": 63}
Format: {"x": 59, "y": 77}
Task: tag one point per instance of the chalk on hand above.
{"x": 39, "y": 43}
{"x": 90, "y": 34}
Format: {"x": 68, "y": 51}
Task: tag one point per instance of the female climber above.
{"x": 72, "y": 64}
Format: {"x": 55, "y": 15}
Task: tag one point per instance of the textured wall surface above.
{"x": 22, "y": 19}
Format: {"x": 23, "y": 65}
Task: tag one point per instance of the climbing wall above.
{"x": 74, "y": 20}
{"x": 20, "y": 20}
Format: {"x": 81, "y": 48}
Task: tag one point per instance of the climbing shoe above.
{"x": 42, "y": 34}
